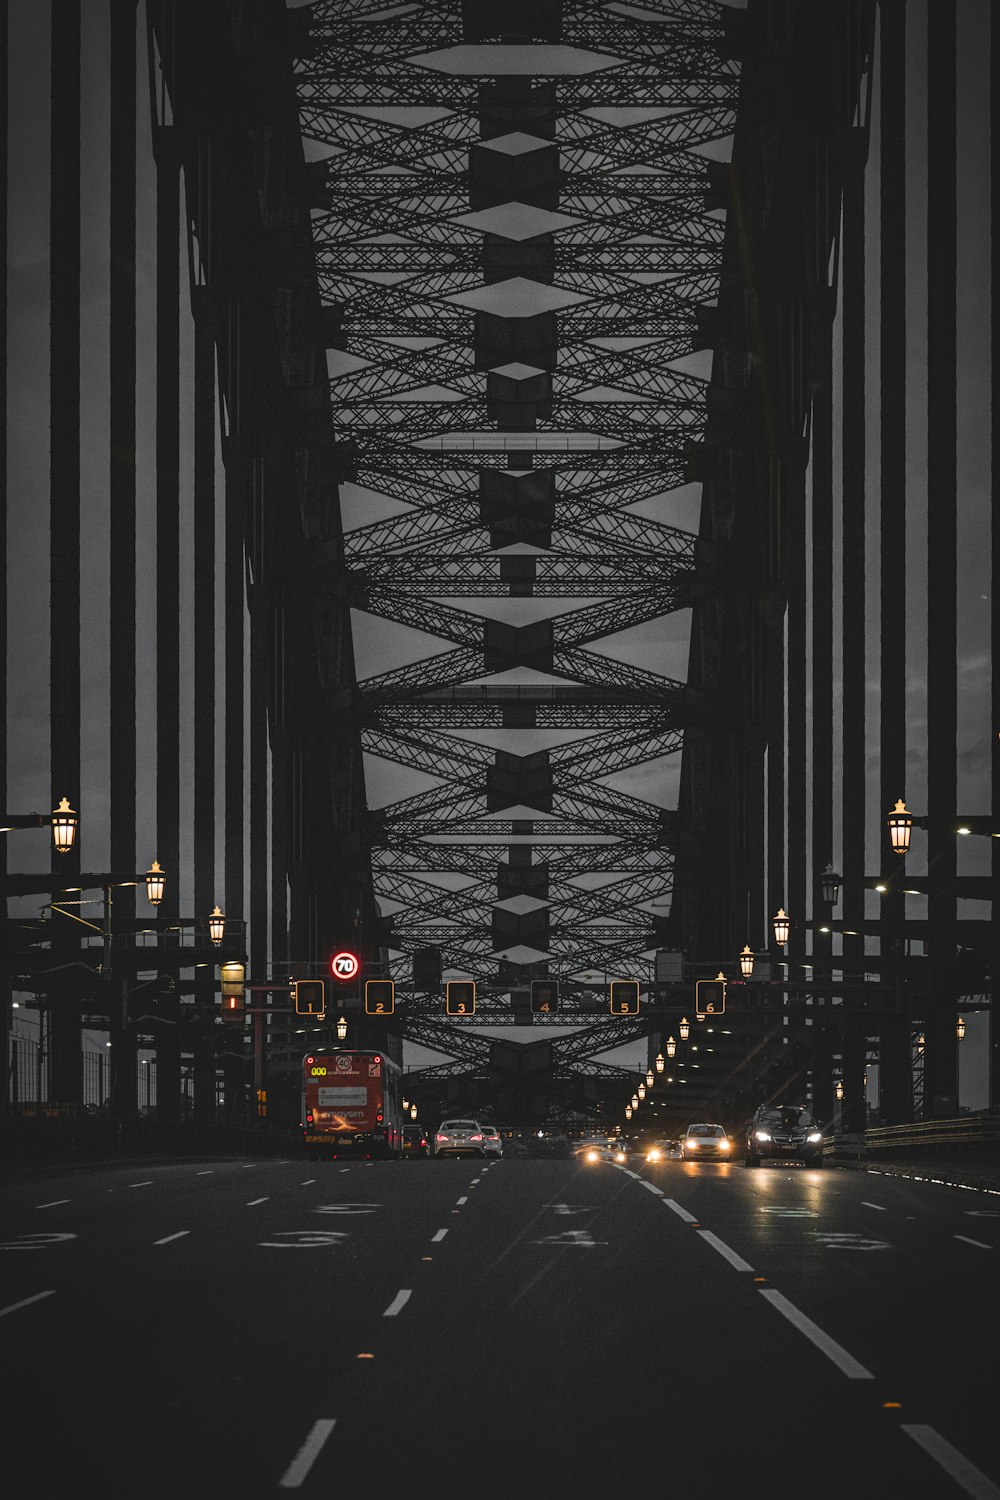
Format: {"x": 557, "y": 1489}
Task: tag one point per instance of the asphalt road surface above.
{"x": 513, "y": 1328}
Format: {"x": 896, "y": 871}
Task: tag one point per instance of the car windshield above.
{"x": 788, "y": 1119}
{"x": 712, "y": 1130}
{"x": 458, "y": 1125}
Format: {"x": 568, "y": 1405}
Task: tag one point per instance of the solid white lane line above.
{"x": 981, "y": 1243}
{"x": 652, "y": 1188}
{"x": 880, "y": 1206}
{"x": 688, "y": 1218}
{"x": 398, "y": 1302}
{"x": 178, "y": 1236}
{"x": 439, "y": 1236}
{"x": 734, "y": 1260}
{"x": 254, "y": 1201}
{"x": 965, "y": 1474}
{"x": 307, "y": 1454}
{"x": 15, "y": 1306}
{"x": 845, "y": 1362}
{"x": 56, "y": 1203}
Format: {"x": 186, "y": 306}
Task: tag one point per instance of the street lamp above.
{"x": 155, "y": 882}
{"x": 628, "y": 1111}
{"x": 684, "y": 1028}
{"x": 641, "y": 1091}
{"x": 649, "y": 1078}
{"x": 781, "y": 926}
{"x": 839, "y": 1090}
{"x": 341, "y": 1029}
{"x": 406, "y": 1106}
{"x": 960, "y": 1028}
{"x": 900, "y": 823}
{"x": 746, "y": 961}
{"x": 921, "y": 1043}
{"x": 635, "y": 1101}
{"x": 64, "y": 825}
{"x": 217, "y": 926}
{"x": 413, "y": 1111}
{"x": 829, "y": 885}
{"x": 671, "y": 1046}
{"x": 660, "y": 1064}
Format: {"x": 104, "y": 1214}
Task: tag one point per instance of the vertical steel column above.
{"x": 941, "y": 1057}
{"x": 63, "y": 994}
{"x": 5, "y": 972}
{"x": 122, "y": 366}
{"x": 795, "y": 729}
{"x": 822, "y": 652}
{"x": 205, "y": 896}
{"x": 168, "y": 752}
{"x": 994, "y": 1020}
{"x": 855, "y": 779}
{"x": 895, "y": 1082}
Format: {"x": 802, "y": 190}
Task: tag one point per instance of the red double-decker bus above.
{"x": 351, "y": 1104}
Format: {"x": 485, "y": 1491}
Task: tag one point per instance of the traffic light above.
{"x": 233, "y": 977}
{"x": 710, "y": 997}
{"x": 310, "y": 997}
{"x": 624, "y": 997}
{"x": 427, "y": 969}
{"x": 380, "y": 997}
{"x": 544, "y": 996}
{"x": 460, "y": 997}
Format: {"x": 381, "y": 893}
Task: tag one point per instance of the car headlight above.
{"x": 723, "y": 1145}
{"x": 652, "y": 1155}
{"x": 763, "y": 1135}
{"x": 814, "y": 1135}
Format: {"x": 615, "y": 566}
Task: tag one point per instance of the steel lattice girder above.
{"x": 407, "y": 235}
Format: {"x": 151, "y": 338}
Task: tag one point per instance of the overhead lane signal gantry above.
{"x": 544, "y": 997}
{"x": 710, "y": 997}
{"x": 624, "y": 997}
{"x": 380, "y": 997}
{"x": 309, "y": 996}
{"x": 460, "y": 997}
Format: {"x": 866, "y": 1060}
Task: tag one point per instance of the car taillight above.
{"x": 475, "y": 1137}
{"x": 441, "y": 1137}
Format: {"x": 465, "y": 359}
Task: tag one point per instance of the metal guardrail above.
{"x": 972, "y": 1131}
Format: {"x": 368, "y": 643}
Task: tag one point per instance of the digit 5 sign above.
{"x": 345, "y": 965}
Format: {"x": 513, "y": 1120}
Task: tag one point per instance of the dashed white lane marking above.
{"x": 965, "y": 1474}
{"x": 879, "y": 1206}
{"x": 178, "y": 1236}
{"x": 149, "y": 1183}
{"x": 307, "y": 1454}
{"x": 254, "y": 1201}
{"x": 439, "y": 1236}
{"x": 56, "y": 1203}
{"x": 734, "y": 1260}
{"x": 845, "y": 1362}
{"x": 309, "y": 1182}
{"x": 688, "y": 1218}
{"x": 16, "y": 1306}
{"x": 981, "y": 1243}
{"x": 208, "y": 1172}
{"x": 398, "y": 1302}
{"x": 652, "y": 1188}
{"x": 461, "y": 1200}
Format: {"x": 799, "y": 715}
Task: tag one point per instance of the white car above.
{"x": 706, "y": 1142}
{"x": 492, "y": 1141}
{"x": 459, "y": 1138}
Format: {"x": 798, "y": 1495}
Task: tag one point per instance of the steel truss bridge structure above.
{"x": 481, "y": 293}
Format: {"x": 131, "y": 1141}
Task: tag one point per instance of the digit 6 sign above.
{"x": 345, "y": 965}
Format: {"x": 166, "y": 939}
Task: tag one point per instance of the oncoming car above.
{"x": 661, "y": 1150}
{"x": 786, "y": 1132}
{"x": 704, "y": 1142}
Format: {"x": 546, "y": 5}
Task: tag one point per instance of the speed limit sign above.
{"x": 345, "y": 965}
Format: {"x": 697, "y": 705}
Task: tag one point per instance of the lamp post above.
{"x": 659, "y": 1063}
{"x": 216, "y": 925}
{"x": 342, "y": 1029}
{"x": 671, "y": 1046}
{"x": 829, "y": 884}
{"x": 900, "y": 823}
{"x": 684, "y": 1029}
{"x": 781, "y": 925}
{"x": 63, "y": 820}
{"x": 746, "y": 961}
